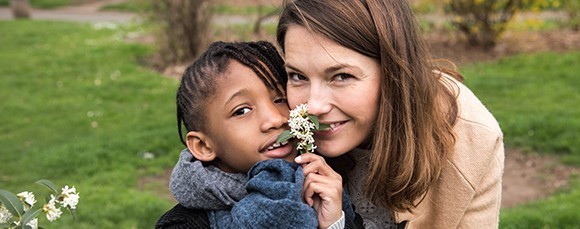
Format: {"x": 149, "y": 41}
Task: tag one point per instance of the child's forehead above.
{"x": 258, "y": 69}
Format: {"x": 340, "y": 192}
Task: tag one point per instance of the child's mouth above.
{"x": 277, "y": 145}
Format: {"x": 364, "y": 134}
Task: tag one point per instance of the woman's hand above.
{"x": 322, "y": 188}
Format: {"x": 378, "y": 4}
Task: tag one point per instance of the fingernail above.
{"x": 298, "y": 159}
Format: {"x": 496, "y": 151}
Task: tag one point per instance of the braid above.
{"x": 199, "y": 79}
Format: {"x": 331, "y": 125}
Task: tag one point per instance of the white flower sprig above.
{"x": 18, "y": 211}
{"x": 302, "y": 126}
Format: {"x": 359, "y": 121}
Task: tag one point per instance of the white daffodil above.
{"x": 5, "y": 215}
{"x": 52, "y": 212}
{"x": 33, "y": 223}
{"x": 70, "y": 197}
{"x": 28, "y": 198}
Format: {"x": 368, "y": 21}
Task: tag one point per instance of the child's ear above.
{"x": 200, "y": 146}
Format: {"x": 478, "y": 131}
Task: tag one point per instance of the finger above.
{"x": 328, "y": 189}
{"x": 323, "y": 195}
{"x": 320, "y": 180}
{"x": 312, "y": 163}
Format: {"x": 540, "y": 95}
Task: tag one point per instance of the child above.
{"x": 234, "y": 108}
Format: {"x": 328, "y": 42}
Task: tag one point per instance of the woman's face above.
{"x": 340, "y": 85}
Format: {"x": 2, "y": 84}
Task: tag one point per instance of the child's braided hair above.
{"x": 198, "y": 80}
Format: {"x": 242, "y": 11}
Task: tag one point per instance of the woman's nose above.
{"x": 318, "y": 101}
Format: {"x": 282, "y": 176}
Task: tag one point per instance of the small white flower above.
{"x": 33, "y": 223}
{"x": 52, "y": 212}
{"x": 28, "y": 198}
{"x": 148, "y": 156}
{"x": 70, "y": 197}
{"x": 301, "y": 127}
{"x": 5, "y": 215}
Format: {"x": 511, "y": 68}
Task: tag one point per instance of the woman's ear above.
{"x": 200, "y": 146}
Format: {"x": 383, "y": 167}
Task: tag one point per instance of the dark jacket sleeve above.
{"x": 180, "y": 217}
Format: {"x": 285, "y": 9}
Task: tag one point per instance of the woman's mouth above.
{"x": 333, "y": 128}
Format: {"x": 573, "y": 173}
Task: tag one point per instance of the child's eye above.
{"x": 242, "y": 111}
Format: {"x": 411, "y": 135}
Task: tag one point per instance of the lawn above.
{"x": 77, "y": 108}
{"x": 535, "y": 99}
{"x": 42, "y": 4}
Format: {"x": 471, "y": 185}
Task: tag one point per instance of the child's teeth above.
{"x": 332, "y": 126}
{"x": 276, "y": 145}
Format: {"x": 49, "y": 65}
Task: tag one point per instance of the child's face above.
{"x": 244, "y": 120}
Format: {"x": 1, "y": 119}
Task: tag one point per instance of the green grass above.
{"x": 42, "y": 4}
{"x": 227, "y": 9}
{"x": 222, "y": 9}
{"x": 79, "y": 110}
{"x": 135, "y": 6}
{"x": 557, "y": 211}
{"x": 535, "y": 98}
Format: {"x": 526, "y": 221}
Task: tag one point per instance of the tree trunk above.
{"x": 20, "y": 8}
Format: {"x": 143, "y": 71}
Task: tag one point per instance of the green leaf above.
{"x": 48, "y": 184}
{"x": 284, "y": 136}
{"x": 314, "y": 120}
{"x": 73, "y": 212}
{"x": 29, "y": 215}
{"x": 324, "y": 126}
{"x": 12, "y": 203}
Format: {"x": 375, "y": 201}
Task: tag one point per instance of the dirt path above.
{"x": 88, "y": 12}
{"x": 531, "y": 177}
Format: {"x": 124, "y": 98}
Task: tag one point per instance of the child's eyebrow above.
{"x": 237, "y": 94}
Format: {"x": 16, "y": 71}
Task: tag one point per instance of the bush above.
{"x": 483, "y": 21}
{"x": 572, "y": 7}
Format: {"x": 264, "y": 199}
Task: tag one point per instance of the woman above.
{"x": 426, "y": 152}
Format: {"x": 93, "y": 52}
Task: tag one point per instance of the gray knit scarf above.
{"x": 205, "y": 187}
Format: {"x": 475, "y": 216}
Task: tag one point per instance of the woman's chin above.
{"x": 328, "y": 149}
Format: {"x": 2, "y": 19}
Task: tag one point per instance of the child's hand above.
{"x": 322, "y": 188}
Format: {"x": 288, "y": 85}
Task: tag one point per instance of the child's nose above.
{"x": 273, "y": 119}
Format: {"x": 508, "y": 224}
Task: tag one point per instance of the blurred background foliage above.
{"x": 92, "y": 104}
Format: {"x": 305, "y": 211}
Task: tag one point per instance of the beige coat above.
{"x": 468, "y": 193}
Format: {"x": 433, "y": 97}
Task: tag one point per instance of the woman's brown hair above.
{"x": 413, "y": 134}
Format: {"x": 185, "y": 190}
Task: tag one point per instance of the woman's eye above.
{"x": 295, "y": 77}
{"x": 343, "y": 77}
{"x": 281, "y": 100}
{"x": 242, "y": 111}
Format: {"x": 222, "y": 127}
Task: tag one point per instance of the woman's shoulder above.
{"x": 471, "y": 110}
{"x": 479, "y": 139}
{"x": 182, "y": 217}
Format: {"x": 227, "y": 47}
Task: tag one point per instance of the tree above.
{"x": 184, "y": 29}
{"x": 20, "y": 8}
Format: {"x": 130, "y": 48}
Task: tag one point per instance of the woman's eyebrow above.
{"x": 328, "y": 70}
{"x": 336, "y": 68}
{"x": 291, "y": 67}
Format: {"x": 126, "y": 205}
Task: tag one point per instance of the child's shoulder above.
{"x": 182, "y": 217}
